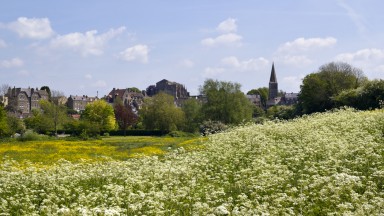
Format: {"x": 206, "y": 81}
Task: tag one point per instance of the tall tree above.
{"x": 54, "y": 113}
{"x": 3, "y": 122}
{"x": 38, "y": 122}
{"x": 160, "y": 112}
{"x": 317, "y": 89}
{"x": 192, "y": 111}
{"x": 225, "y": 102}
{"x": 368, "y": 96}
{"x": 100, "y": 114}
{"x": 263, "y": 92}
{"x": 124, "y": 115}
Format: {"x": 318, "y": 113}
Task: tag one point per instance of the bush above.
{"x": 180, "y": 134}
{"x": 30, "y": 135}
{"x": 138, "y": 133}
{"x": 212, "y": 127}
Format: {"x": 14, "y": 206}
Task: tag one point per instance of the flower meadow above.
{"x": 323, "y": 164}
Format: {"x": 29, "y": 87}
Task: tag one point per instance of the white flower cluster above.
{"x": 323, "y": 164}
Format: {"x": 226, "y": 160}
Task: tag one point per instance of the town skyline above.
{"x": 93, "y": 46}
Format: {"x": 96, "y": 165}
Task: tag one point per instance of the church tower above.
{"x": 273, "y": 89}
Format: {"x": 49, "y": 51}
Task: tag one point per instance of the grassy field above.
{"x": 108, "y": 148}
{"x": 323, "y": 164}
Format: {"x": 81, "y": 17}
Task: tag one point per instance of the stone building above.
{"x": 177, "y": 90}
{"x": 79, "y": 103}
{"x": 255, "y": 100}
{"x": 23, "y": 100}
{"x": 127, "y": 97}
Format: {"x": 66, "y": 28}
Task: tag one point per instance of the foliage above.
{"x": 159, "y": 112}
{"x": 281, "y": 112}
{"x": 317, "y": 89}
{"x": 225, "y": 102}
{"x": 257, "y": 112}
{"x": 100, "y": 114}
{"x": 15, "y": 124}
{"x": 323, "y": 164}
{"x": 134, "y": 89}
{"x": 212, "y": 127}
{"x": 39, "y": 122}
{"x": 192, "y": 111}
{"x": 53, "y": 113}
{"x": 3, "y": 122}
{"x": 83, "y": 129}
{"x": 124, "y": 115}
{"x": 181, "y": 134}
{"x": 30, "y": 135}
{"x": 263, "y": 92}
{"x": 365, "y": 97}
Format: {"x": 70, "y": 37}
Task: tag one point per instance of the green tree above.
{"x": 281, "y": 112}
{"x": 225, "y": 102}
{"x": 3, "y": 122}
{"x": 368, "y": 96}
{"x": 263, "y": 92}
{"x": 192, "y": 111}
{"x": 100, "y": 114}
{"x": 15, "y": 124}
{"x": 38, "y": 122}
{"x": 160, "y": 112}
{"x": 53, "y": 113}
{"x": 317, "y": 89}
{"x": 134, "y": 89}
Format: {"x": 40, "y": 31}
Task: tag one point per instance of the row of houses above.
{"x": 24, "y": 100}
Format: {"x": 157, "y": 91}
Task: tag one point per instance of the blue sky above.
{"x": 85, "y": 47}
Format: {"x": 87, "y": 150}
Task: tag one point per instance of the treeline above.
{"x": 223, "y": 104}
{"x": 334, "y": 85}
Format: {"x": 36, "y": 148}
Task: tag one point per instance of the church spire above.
{"x": 273, "y": 74}
{"x": 273, "y": 86}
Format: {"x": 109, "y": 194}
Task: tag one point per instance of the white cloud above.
{"x": 369, "y": 60}
{"x": 212, "y": 71}
{"x": 227, "y": 28}
{"x": 2, "y": 44}
{"x": 88, "y": 43}
{"x": 302, "y": 44}
{"x": 250, "y": 64}
{"x": 224, "y": 39}
{"x": 298, "y": 61}
{"x": 362, "y": 55}
{"x": 228, "y": 25}
{"x": 138, "y": 52}
{"x": 34, "y": 28}
{"x": 292, "y": 80}
{"x": 100, "y": 84}
{"x": 15, "y": 62}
